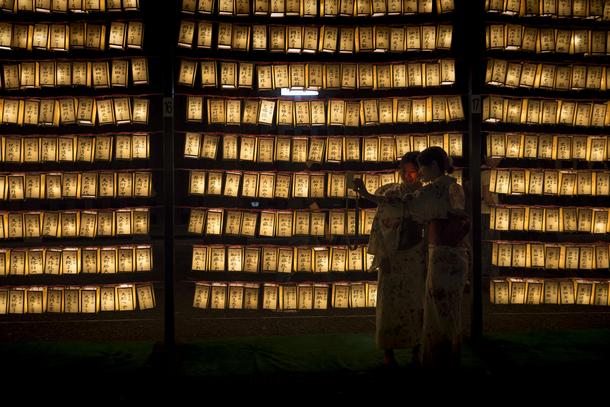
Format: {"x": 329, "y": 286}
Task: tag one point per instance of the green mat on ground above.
{"x": 77, "y": 357}
{"x": 546, "y": 349}
{"x": 295, "y": 354}
{"x": 269, "y": 356}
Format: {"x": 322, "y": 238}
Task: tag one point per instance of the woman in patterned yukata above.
{"x": 399, "y": 252}
{"x": 440, "y": 206}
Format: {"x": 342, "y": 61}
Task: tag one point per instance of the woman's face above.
{"x": 408, "y": 173}
{"x": 429, "y": 172}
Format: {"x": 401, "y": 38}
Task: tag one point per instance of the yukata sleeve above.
{"x": 457, "y": 199}
{"x": 426, "y": 204}
{"x": 386, "y": 194}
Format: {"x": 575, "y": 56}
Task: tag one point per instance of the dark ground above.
{"x": 336, "y": 366}
{"x": 266, "y": 356}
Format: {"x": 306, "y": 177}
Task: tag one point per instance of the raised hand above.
{"x": 359, "y": 186}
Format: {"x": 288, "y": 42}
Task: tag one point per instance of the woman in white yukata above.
{"x": 440, "y": 206}
{"x": 399, "y": 249}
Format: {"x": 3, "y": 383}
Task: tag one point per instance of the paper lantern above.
{"x": 566, "y": 292}
{"x": 267, "y": 224}
{"x": 534, "y": 292}
{"x": 518, "y": 291}
{"x": 55, "y": 299}
{"x": 251, "y": 294}
{"x": 251, "y": 259}
{"x": 89, "y": 260}
{"x": 601, "y": 293}
{"x": 285, "y": 260}
{"x": 202, "y": 295}
{"x": 235, "y": 259}
{"x": 17, "y": 301}
{"x": 597, "y": 150}
{"x": 585, "y": 220}
{"x": 600, "y": 221}
{"x": 302, "y": 222}
{"x": 217, "y": 258}
{"x": 197, "y": 182}
{"x": 358, "y": 295}
{"x": 551, "y": 292}
{"x": 602, "y": 183}
{"x": 499, "y": 218}
{"x": 499, "y": 292}
{"x": 519, "y": 255}
{"x": 89, "y": 300}
{"x": 572, "y": 257}
{"x": 318, "y": 224}
{"x": 249, "y": 184}
{"x": 265, "y": 150}
{"x": 355, "y": 259}
{"x": 232, "y": 183}
{"x": 284, "y": 224}
{"x": 304, "y": 259}
{"x": 320, "y": 296}
{"x": 4, "y": 301}
{"x": 288, "y": 298}
{"x": 52, "y": 262}
{"x": 213, "y": 222}
{"x": 305, "y": 296}
{"x": 552, "y": 257}
{"x": 371, "y": 295}
{"x": 236, "y": 296}
{"x": 69, "y": 261}
{"x": 492, "y": 109}
{"x": 4, "y": 261}
{"x": 601, "y": 257}
{"x": 504, "y": 255}
{"x": 270, "y": 297}
{"x": 218, "y": 296}
{"x": 321, "y": 260}
{"x": 536, "y": 183}
{"x": 340, "y": 295}
{"x": 71, "y": 300}
{"x": 199, "y": 260}
{"x": 270, "y": 259}
{"x": 567, "y": 184}
{"x": 35, "y": 300}
{"x": 586, "y": 261}
{"x": 570, "y": 219}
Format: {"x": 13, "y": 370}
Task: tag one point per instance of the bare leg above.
{"x": 416, "y": 358}
{"x": 389, "y": 359}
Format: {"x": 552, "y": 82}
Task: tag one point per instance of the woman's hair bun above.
{"x": 438, "y": 155}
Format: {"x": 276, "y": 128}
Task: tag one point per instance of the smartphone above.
{"x": 349, "y": 180}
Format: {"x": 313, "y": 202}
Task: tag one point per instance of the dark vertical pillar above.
{"x": 167, "y": 9}
{"x": 474, "y": 36}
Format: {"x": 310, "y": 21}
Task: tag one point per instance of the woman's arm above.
{"x": 426, "y": 204}
{"x": 361, "y": 189}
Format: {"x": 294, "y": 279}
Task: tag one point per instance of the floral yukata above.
{"x": 401, "y": 276}
{"x": 447, "y": 268}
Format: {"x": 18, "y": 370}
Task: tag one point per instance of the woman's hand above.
{"x": 360, "y": 187}
{"x": 393, "y": 194}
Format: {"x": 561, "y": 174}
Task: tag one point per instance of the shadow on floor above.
{"x": 334, "y": 365}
